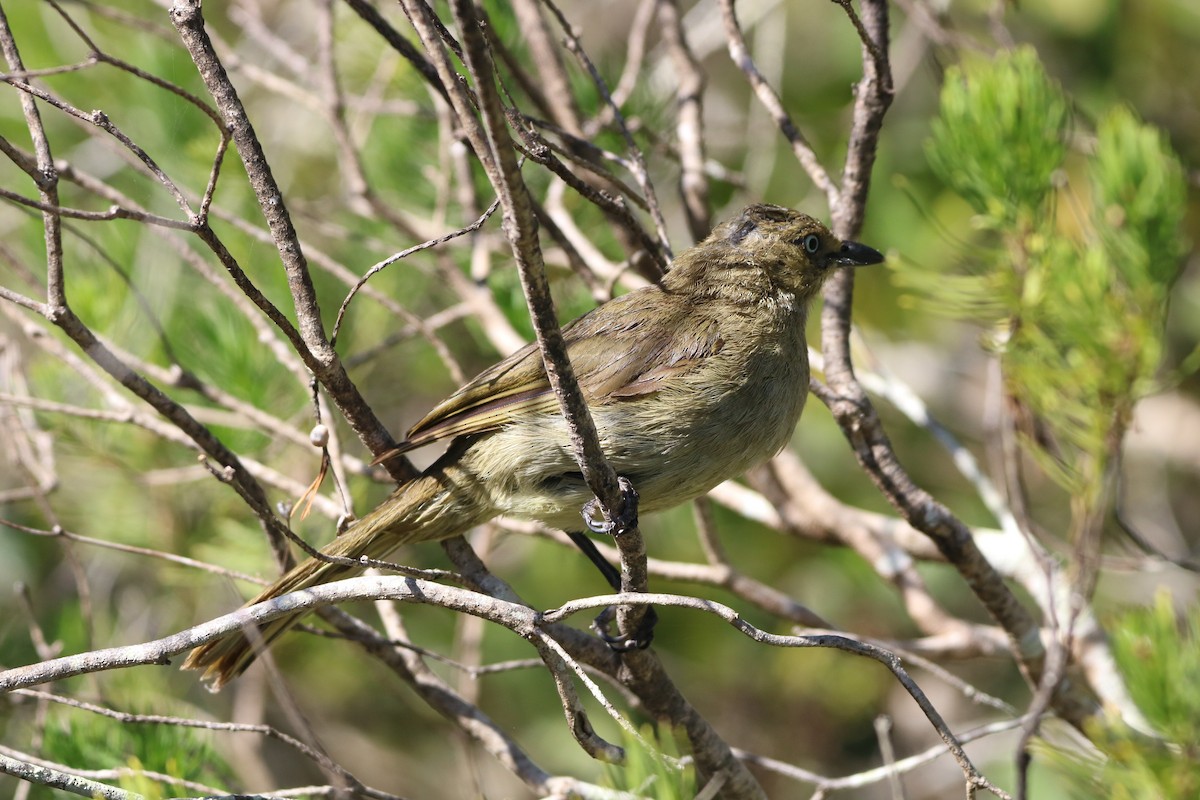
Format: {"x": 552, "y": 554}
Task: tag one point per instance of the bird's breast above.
{"x": 728, "y": 419}
{"x": 698, "y": 428}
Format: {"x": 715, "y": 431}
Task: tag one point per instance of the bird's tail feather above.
{"x": 424, "y": 509}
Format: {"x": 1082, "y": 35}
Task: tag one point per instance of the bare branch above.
{"x": 315, "y": 348}
{"x": 803, "y": 151}
{"x": 518, "y": 618}
{"x": 693, "y": 182}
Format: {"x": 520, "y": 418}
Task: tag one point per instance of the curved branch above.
{"x": 522, "y": 620}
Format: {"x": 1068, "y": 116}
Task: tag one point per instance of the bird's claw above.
{"x": 637, "y": 639}
{"x": 625, "y": 520}
{"x": 593, "y": 519}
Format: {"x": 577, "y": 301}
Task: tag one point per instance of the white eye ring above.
{"x": 812, "y": 243}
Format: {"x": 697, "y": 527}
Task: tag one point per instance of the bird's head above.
{"x": 795, "y": 251}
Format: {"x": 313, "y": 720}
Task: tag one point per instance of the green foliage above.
{"x": 93, "y": 742}
{"x": 651, "y": 773}
{"x": 1159, "y": 656}
{"x": 1001, "y": 135}
{"x": 1140, "y": 192}
{"x": 1076, "y": 280}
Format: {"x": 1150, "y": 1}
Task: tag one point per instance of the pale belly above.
{"x": 672, "y": 451}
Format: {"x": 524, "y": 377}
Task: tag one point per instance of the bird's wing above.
{"x": 618, "y": 351}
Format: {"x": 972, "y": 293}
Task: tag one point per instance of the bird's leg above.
{"x": 644, "y": 634}
{"x": 625, "y": 520}
{"x": 589, "y": 549}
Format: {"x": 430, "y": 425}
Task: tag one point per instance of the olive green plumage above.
{"x": 690, "y": 381}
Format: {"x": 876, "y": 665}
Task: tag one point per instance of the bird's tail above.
{"x": 433, "y": 506}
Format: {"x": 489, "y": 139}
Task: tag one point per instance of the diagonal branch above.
{"x": 520, "y": 226}
{"x": 856, "y": 415}
{"x": 740, "y": 54}
{"x": 317, "y": 351}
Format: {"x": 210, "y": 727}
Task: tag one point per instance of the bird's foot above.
{"x": 637, "y": 639}
{"x": 626, "y": 519}
{"x": 642, "y": 634}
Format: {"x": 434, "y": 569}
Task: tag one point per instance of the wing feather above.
{"x": 618, "y": 351}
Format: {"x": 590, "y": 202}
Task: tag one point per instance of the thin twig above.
{"x": 803, "y": 151}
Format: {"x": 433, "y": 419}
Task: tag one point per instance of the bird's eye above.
{"x": 812, "y": 243}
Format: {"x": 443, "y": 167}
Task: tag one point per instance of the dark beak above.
{"x": 854, "y": 254}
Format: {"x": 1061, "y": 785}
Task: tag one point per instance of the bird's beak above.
{"x": 853, "y": 254}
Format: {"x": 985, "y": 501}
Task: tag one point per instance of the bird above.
{"x": 691, "y": 381}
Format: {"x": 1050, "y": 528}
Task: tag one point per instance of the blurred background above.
{"x": 140, "y": 287}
